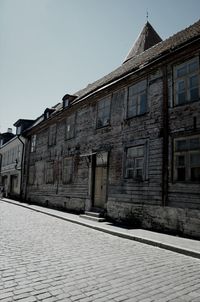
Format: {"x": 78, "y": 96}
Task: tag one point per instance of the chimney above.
{"x": 9, "y": 130}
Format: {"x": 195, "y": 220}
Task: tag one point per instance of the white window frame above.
{"x": 182, "y": 74}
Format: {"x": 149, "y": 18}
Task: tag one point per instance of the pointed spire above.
{"x": 147, "y": 38}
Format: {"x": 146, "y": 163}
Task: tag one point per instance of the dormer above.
{"x": 67, "y": 99}
{"x": 48, "y": 112}
{"x": 22, "y": 125}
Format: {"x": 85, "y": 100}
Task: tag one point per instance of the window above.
{"x": 135, "y": 163}
{"x": 52, "y": 135}
{"x": 33, "y": 143}
{"x": 187, "y": 159}
{"x": 186, "y": 81}
{"x": 70, "y": 127}
{"x": 50, "y": 172}
{"x": 67, "y": 170}
{"x": 137, "y": 99}
{"x": 103, "y": 112}
{"x": 31, "y": 176}
{"x": 19, "y": 130}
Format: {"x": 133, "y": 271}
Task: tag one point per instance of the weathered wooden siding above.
{"x": 184, "y": 121}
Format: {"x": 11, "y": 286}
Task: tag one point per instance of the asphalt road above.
{"x": 43, "y": 258}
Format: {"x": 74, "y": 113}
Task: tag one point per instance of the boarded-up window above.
{"x": 187, "y": 159}
{"x": 187, "y": 82}
{"x": 31, "y": 176}
{"x": 52, "y": 135}
{"x": 70, "y": 127}
{"x": 137, "y": 99}
{"x": 135, "y": 163}
{"x": 67, "y": 174}
{"x": 103, "y": 112}
{"x": 50, "y": 172}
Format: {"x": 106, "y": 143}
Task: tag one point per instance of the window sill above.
{"x": 186, "y": 103}
{"x": 106, "y": 128}
{"x": 135, "y": 116}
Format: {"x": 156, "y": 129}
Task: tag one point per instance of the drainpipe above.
{"x": 22, "y": 161}
{"x": 165, "y": 139}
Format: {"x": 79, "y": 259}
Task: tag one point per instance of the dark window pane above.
{"x": 193, "y": 66}
{"x": 194, "y": 143}
{"x": 181, "y": 98}
{"x": 181, "y": 174}
{"x": 130, "y": 173}
{"x": 193, "y": 81}
{"x": 181, "y": 145}
{"x": 195, "y": 159}
{"x": 143, "y": 103}
{"x": 195, "y": 174}
{"x": 139, "y": 173}
{"x": 181, "y": 71}
{"x": 194, "y": 94}
{"x": 180, "y": 160}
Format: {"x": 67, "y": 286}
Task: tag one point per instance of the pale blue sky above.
{"x": 52, "y": 47}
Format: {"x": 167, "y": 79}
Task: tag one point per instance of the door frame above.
{"x": 93, "y": 176}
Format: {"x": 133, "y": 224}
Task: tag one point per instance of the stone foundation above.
{"x": 185, "y": 222}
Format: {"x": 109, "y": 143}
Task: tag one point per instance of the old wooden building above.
{"x": 128, "y": 144}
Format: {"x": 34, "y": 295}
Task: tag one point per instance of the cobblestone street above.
{"x": 43, "y": 258}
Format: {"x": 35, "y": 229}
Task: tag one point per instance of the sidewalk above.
{"x": 173, "y": 243}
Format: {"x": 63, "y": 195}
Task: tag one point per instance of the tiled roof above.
{"x": 147, "y": 38}
{"x": 143, "y": 58}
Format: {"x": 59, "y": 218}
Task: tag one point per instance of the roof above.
{"x": 147, "y": 38}
{"x": 173, "y": 42}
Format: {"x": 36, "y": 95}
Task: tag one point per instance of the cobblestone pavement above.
{"x": 46, "y": 259}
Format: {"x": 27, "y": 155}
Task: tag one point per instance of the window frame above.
{"x": 70, "y": 122}
{"x": 186, "y": 153}
{"x": 136, "y": 158}
{"x": 99, "y": 116}
{"x": 33, "y": 143}
{"x": 138, "y": 95}
{"x": 52, "y": 135}
{"x": 67, "y": 179}
{"x": 49, "y": 166}
{"x": 185, "y": 78}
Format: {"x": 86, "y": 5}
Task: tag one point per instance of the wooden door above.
{"x": 100, "y": 187}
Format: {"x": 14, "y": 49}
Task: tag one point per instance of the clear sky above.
{"x": 52, "y": 47}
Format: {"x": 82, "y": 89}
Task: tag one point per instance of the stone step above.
{"x": 93, "y": 218}
{"x": 93, "y": 214}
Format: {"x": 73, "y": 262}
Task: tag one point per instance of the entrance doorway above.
{"x": 100, "y": 184}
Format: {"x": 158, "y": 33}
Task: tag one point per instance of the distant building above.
{"x": 12, "y": 156}
{"x": 127, "y": 145}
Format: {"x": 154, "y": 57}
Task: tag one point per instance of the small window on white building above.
{"x": 187, "y": 159}
{"x": 137, "y": 99}
{"x": 186, "y": 82}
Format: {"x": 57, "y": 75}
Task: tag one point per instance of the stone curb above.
{"x": 121, "y": 234}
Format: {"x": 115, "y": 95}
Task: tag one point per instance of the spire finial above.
{"x": 147, "y": 15}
